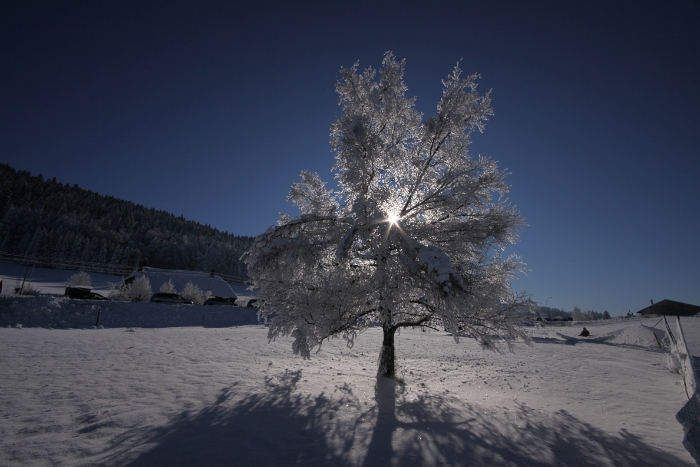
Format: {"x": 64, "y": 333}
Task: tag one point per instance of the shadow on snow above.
{"x": 283, "y": 426}
{"x": 562, "y": 339}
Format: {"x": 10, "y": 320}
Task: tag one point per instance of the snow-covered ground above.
{"x": 225, "y": 396}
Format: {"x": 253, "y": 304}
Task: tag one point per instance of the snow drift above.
{"x": 641, "y": 336}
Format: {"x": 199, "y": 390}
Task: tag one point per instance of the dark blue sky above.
{"x": 211, "y": 111}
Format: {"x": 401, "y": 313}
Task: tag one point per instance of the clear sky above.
{"x": 211, "y": 111}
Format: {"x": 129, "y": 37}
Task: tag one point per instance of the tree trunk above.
{"x": 387, "y": 366}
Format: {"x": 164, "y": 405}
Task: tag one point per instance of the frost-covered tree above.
{"x": 81, "y": 278}
{"x": 413, "y": 236}
{"x": 577, "y": 314}
{"x": 138, "y": 291}
{"x": 167, "y": 287}
{"x": 26, "y": 288}
{"x": 193, "y": 293}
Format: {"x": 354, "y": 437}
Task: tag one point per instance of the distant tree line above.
{"x": 588, "y": 315}
{"x": 49, "y": 219}
{"x": 555, "y": 314}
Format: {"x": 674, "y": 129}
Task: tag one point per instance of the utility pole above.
{"x": 21, "y": 288}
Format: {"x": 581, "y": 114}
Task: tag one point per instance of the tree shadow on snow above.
{"x": 430, "y": 430}
{"x": 563, "y": 339}
{"x": 283, "y": 426}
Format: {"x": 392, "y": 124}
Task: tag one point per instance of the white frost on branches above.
{"x": 311, "y": 195}
{"x": 193, "y": 293}
{"x": 81, "y": 278}
{"x": 138, "y": 291}
{"x": 413, "y": 236}
{"x": 167, "y": 287}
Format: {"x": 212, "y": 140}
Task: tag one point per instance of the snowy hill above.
{"x": 56, "y": 223}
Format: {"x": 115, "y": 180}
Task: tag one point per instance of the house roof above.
{"x": 670, "y": 307}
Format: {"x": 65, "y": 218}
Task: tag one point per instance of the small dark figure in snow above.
{"x": 585, "y": 333}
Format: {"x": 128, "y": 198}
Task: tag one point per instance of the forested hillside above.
{"x": 58, "y": 222}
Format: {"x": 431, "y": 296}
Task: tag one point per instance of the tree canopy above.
{"x": 414, "y": 234}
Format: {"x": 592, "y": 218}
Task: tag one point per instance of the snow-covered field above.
{"x": 226, "y": 397}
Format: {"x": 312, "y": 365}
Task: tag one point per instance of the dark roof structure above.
{"x": 670, "y": 308}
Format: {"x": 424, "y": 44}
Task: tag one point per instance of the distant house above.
{"x": 206, "y": 282}
{"x": 670, "y": 308}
